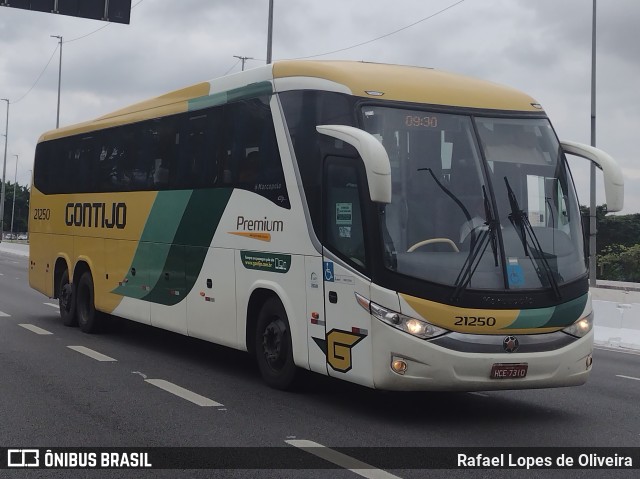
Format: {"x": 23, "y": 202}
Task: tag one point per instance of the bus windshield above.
{"x": 477, "y": 202}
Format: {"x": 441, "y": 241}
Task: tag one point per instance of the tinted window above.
{"x": 304, "y": 110}
{"x": 232, "y": 145}
{"x": 344, "y": 232}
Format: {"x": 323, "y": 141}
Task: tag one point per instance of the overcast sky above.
{"x": 542, "y": 47}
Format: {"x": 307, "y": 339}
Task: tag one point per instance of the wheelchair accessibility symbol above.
{"x": 327, "y": 267}
{"x": 515, "y": 275}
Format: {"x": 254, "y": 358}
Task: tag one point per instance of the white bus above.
{"x": 397, "y": 227}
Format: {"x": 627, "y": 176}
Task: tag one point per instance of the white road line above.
{"x": 183, "y": 393}
{"x": 91, "y": 353}
{"x": 342, "y": 460}
{"x": 35, "y": 329}
{"x": 627, "y": 377}
{"x": 53, "y": 305}
{"x": 618, "y": 350}
{"x": 4, "y": 315}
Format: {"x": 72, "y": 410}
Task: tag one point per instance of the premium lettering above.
{"x": 243, "y": 224}
{"x": 96, "y": 215}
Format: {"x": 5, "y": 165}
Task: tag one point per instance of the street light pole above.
{"x": 13, "y": 208}
{"x": 4, "y": 171}
{"x": 592, "y": 182}
{"x": 59, "y": 37}
{"x": 270, "y": 32}
{"x": 244, "y": 59}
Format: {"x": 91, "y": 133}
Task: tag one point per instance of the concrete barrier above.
{"x": 19, "y": 249}
{"x": 617, "y": 314}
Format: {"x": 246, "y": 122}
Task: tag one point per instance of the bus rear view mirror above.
{"x": 613, "y": 177}
{"x": 374, "y": 157}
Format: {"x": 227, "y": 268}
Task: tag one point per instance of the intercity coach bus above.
{"x": 401, "y": 228}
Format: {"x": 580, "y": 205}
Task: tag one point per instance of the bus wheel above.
{"x": 88, "y": 317}
{"x": 273, "y": 346}
{"x": 67, "y": 301}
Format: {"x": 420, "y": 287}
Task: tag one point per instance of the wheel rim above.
{"x": 273, "y": 344}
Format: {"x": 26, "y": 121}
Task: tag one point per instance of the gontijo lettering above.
{"x": 96, "y": 215}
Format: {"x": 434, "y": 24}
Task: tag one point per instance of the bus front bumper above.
{"x": 430, "y": 367}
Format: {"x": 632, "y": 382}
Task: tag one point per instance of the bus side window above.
{"x": 344, "y": 231}
{"x": 85, "y": 156}
{"x": 254, "y": 160}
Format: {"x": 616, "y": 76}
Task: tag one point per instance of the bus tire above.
{"x": 274, "y": 352}
{"x": 88, "y": 317}
{"x": 67, "y": 300}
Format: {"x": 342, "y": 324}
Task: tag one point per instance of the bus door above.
{"x": 347, "y": 324}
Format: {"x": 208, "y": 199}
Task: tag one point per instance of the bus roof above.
{"x": 412, "y": 84}
{"x": 369, "y": 80}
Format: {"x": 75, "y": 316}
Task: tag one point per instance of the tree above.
{"x": 21, "y": 212}
{"x": 617, "y": 245}
{"x": 620, "y": 263}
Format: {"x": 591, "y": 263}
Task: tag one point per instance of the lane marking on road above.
{"x": 627, "y": 377}
{"x": 4, "y": 315}
{"x": 346, "y": 462}
{"x": 618, "y": 350}
{"x": 476, "y": 393}
{"x": 183, "y": 393}
{"x": 53, "y": 305}
{"x": 91, "y": 353}
{"x": 35, "y": 329}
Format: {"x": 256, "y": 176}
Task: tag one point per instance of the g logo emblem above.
{"x": 337, "y": 347}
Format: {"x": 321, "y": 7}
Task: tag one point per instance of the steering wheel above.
{"x": 431, "y": 241}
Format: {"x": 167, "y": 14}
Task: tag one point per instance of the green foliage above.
{"x": 623, "y": 230}
{"x": 617, "y": 245}
{"x": 620, "y": 263}
{"x": 21, "y": 211}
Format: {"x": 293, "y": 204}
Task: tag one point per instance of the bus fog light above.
{"x": 399, "y": 366}
{"x": 589, "y": 361}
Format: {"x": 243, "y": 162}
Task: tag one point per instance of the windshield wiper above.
{"x": 465, "y": 211}
{"x": 487, "y": 237}
{"x": 520, "y": 221}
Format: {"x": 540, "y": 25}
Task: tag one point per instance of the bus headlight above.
{"x": 415, "y": 327}
{"x": 581, "y": 327}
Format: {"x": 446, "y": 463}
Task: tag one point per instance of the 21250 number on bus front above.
{"x": 475, "y": 321}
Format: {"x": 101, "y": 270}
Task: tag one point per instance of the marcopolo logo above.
{"x": 259, "y": 229}
{"x": 96, "y": 215}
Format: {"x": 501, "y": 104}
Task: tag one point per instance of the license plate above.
{"x": 509, "y": 371}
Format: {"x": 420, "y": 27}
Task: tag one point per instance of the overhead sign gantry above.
{"x": 116, "y": 11}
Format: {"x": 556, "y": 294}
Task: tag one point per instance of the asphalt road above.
{"x": 135, "y": 386}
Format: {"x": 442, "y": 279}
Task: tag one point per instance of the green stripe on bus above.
{"x": 165, "y": 216}
{"x": 253, "y": 90}
{"x": 568, "y": 313}
{"x": 532, "y": 318}
{"x": 557, "y": 316}
{"x": 185, "y": 256}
